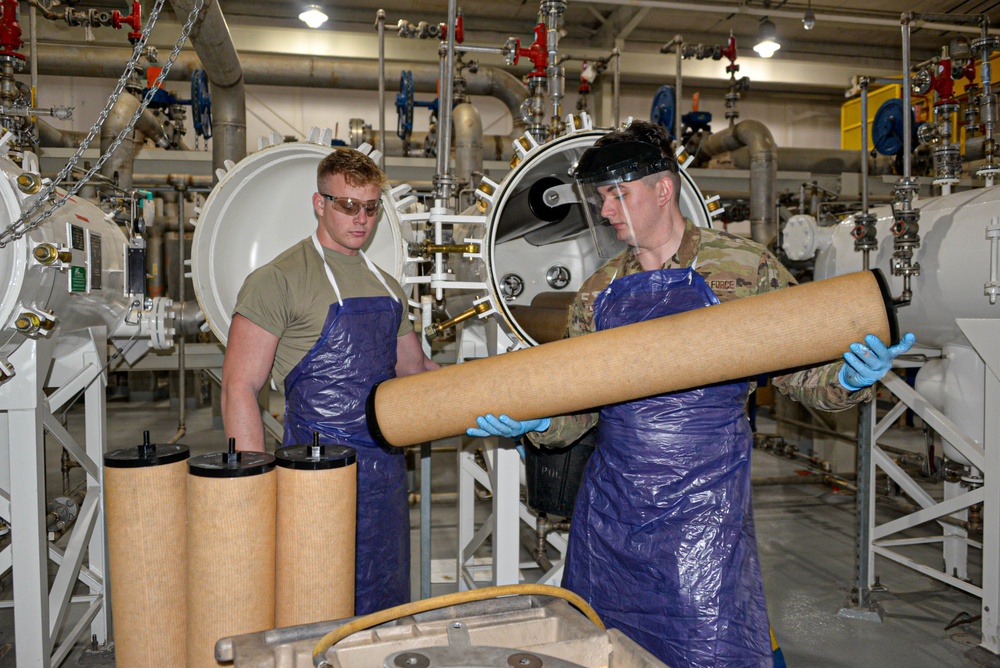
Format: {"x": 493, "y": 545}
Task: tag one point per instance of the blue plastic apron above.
{"x": 662, "y": 541}
{"x": 326, "y": 392}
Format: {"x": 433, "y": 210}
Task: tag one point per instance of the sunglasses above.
{"x": 351, "y": 206}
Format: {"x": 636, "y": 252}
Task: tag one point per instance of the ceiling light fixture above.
{"x": 809, "y": 18}
{"x": 767, "y": 42}
{"x": 313, "y": 16}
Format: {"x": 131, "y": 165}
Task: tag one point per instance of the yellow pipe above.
{"x": 438, "y": 602}
{"x": 428, "y": 248}
{"x": 434, "y": 330}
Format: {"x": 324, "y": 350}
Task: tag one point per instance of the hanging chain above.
{"x": 19, "y": 228}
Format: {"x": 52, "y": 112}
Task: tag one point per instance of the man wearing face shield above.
{"x": 662, "y": 539}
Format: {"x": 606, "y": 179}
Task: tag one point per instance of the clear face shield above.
{"x": 609, "y": 179}
{"x": 608, "y": 216}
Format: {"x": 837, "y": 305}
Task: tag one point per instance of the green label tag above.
{"x": 77, "y": 279}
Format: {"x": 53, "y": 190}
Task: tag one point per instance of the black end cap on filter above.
{"x": 315, "y": 457}
{"x": 372, "y": 419}
{"x": 231, "y": 465}
{"x": 146, "y": 454}
{"x": 890, "y": 306}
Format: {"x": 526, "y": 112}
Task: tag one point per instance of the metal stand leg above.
{"x": 862, "y": 604}
{"x": 506, "y": 518}
{"x": 41, "y": 611}
{"x": 984, "y": 334}
{"x": 21, "y": 396}
{"x": 97, "y": 438}
{"x": 425, "y": 520}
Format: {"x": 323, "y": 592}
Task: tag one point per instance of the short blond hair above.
{"x": 356, "y": 167}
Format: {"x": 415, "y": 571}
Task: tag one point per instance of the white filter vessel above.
{"x": 953, "y": 383}
{"x": 954, "y": 258}
{"x": 261, "y": 207}
{"x": 532, "y": 249}
{"x": 85, "y": 288}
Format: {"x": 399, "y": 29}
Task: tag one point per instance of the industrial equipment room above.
{"x": 575, "y": 334}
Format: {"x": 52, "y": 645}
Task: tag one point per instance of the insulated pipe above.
{"x": 118, "y": 118}
{"x": 468, "y": 125}
{"x": 289, "y": 70}
{"x": 819, "y": 321}
{"x": 214, "y": 46}
{"x": 818, "y": 161}
{"x": 496, "y": 147}
{"x": 763, "y": 172}
{"x": 52, "y": 136}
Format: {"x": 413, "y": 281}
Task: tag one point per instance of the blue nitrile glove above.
{"x": 505, "y": 426}
{"x": 865, "y": 366}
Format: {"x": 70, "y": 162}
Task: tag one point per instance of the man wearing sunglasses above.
{"x": 327, "y": 324}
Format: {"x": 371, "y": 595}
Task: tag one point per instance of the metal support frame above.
{"x": 26, "y": 413}
{"x": 878, "y": 539}
{"x": 862, "y": 604}
{"x": 502, "y": 479}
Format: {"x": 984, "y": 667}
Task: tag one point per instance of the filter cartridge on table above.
{"x": 231, "y": 515}
{"x": 145, "y": 501}
{"x": 316, "y": 522}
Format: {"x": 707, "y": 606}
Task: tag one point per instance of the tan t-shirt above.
{"x": 291, "y": 296}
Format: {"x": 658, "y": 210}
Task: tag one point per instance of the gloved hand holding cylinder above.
{"x": 798, "y": 326}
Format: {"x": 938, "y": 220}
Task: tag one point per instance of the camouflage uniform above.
{"x": 734, "y": 268}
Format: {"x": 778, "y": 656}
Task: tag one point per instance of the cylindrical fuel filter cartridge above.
{"x": 231, "y": 513}
{"x": 316, "y": 520}
{"x": 144, "y": 505}
{"x": 819, "y": 320}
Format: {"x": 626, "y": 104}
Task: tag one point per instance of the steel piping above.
{"x": 289, "y": 70}
{"x": 123, "y": 160}
{"x": 214, "y": 46}
{"x": 763, "y": 172}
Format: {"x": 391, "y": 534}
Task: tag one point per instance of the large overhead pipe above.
{"x": 290, "y": 70}
{"x": 52, "y": 136}
{"x": 820, "y": 320}
{"x": 763, "y": 172}
{"x": 214, "y": 45}
{"x": 468, "y": 127}
{"x": 818, "y": 161}
{"x": 123, "y": 160}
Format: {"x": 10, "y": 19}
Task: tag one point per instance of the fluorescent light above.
{"x": 767, "y": 42}
{"x": 313, "y": 16}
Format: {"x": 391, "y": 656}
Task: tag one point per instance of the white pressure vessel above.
{"x": 954, "y": 258}
{"x": 261, "y": 207}
{"x": 530, "y": 249}
{"x": 64, "y": 275}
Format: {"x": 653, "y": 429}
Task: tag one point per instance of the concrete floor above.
{"x": 805, "y": 534}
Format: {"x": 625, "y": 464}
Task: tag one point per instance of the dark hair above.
{"x": 644, "y": 131}
{"x": 356, "y": 167}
